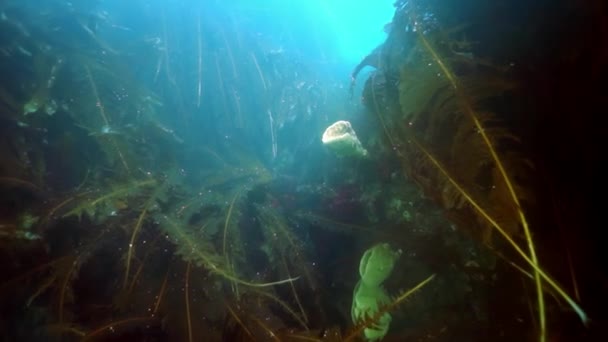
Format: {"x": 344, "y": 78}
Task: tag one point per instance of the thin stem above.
{"x": 200, "y": 61}
{"x": 498, "y": 162}
{"x": 186, "y": 292}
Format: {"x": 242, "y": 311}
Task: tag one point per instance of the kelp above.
{"x": 55, "y": 280}
{"x": 432, "y": 111}
{"x": 139, "y": 194}
{"x": 99, "y": 205}
{"x": 283, "y": 247}
{"x": 159, "y": 194}
{"x": 195, "y": 247}
{"x": 241, "y": 325}
{"x": 454, "y": 143}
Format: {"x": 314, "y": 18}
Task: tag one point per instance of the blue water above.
{"x": 358, "y": 25}
{"x": 248, "y": 57}
{"x": 337, "y": 33}
{"x": 340, "y": 30}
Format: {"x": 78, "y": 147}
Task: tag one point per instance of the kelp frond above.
{"x": 509, "y": 239}
{"x": 101, "y": 204}
{"x": 507, "y": 179}
{"x": 282, "y": 245}
{"x": 111, "y": 327}
{"x": 159, "y": 192}
{"x": 227, "y": 223}
{"x": 455, "y": 148}
{"x": 285, "y": 307}
{"x": 202, "y": 253}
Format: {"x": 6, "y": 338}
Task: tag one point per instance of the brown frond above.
{"x": 99, "y": 205}
{"x": 112, "y": 326}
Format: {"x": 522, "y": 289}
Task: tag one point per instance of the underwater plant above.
{"x": 448, "y": 133}
{"x": 168, "y": 187}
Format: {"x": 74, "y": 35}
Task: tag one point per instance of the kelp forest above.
{"x": 165, "y": 175}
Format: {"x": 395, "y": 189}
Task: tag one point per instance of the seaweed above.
{"x": 461, "y": 153}
{"x": 135, "y": 200}
{"x": 98, "y": 205}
